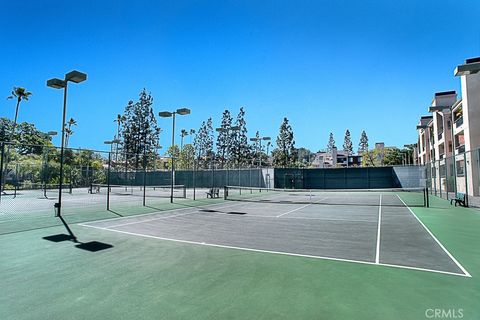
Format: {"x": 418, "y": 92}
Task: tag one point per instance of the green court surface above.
{"x": 147, "y": 278}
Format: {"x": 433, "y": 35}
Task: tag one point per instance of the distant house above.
{"x": 336, "y": 158}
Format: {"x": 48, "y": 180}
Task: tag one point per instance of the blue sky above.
{"x": 326, "y": 65}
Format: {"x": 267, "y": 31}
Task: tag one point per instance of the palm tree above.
{"x": 69, "y": 131}
{"x": 120, "y": 121}
{"x": 20, "y": 94}
{"x": 183, "y": 133}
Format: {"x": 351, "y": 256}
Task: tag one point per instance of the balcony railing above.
{"x": 459, "y": 122}
{"x": 441, "y": 156}
{"x": 440, "y": 136}
{"x": 460, "y": 149}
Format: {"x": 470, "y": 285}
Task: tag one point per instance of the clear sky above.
{"x": 326, "y": 65}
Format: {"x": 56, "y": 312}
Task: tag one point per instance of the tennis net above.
{"x": 411, "y": 197}
{"x": 164, "y": 191}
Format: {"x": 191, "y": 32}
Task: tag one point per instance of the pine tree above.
{"x": 224, "y": 138}
{"x": 240, "y": 150}
{"x": 347, "y": 144}
{"x": 203, "y": 142}
{"x": 198, "y": 142}
{"x": 257, "y": 148}
{"x": 363, "y": 145}
{"x": 284, "y": 154}
{"x": 331, "y": 142}
{"x": 209, "y": 138}
{"x": 140, "y": 131}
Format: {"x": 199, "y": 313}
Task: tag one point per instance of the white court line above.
{"x": 377, "y": 252}
{"x": 278, "y": 252}
{"x": 467, "y": 274}
{"x": 299, "y": 208}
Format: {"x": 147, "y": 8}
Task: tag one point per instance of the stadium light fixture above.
{"x": 75, "y": 77}
{"x": 168, "y": 114}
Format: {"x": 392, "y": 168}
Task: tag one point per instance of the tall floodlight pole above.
{"x": 268, "y": 164}
{"x": 75, "y": 77}
{"x": 259, "y": 139}
{"x": 168, "y": 114}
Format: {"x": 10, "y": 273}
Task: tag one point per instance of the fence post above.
{"x": 108, "y": 180}
{"x": 195, "y": 166}
{"x": 2, "y": 152}
{"x": 144, "y": 177}
{"x": 465, "y": 173}
{"x": 440, "y": 178}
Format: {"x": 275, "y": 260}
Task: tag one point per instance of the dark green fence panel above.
{"x": 335, "y": 178}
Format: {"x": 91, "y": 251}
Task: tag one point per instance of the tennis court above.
{"x": 368, "y": 227}
{"x": 258, "y": 255}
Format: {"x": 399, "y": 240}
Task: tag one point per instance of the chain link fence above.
{"x": 456, "y": 176}
{"x": 100, "y": 185}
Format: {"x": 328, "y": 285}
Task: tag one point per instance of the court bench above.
{"x": 213, "y": 193}
{"x": 460, "y": 199}
{"x": 94, "y": 189}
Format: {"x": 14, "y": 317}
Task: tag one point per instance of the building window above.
{"x": 442, "y": 171}
{"x": 460, "y": 168}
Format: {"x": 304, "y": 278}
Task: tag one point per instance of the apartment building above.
{"x": 336, "y": 158}
{"x": 449, "y": 138}
{"x": 424, "y": 150}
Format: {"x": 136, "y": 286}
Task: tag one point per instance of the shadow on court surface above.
{"x": 92, "y": 246}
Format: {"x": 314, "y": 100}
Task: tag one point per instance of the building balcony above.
{"x": 460, "y": 149}
{"x": 441, "y": 156}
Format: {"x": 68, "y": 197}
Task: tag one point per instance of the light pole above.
{"x": 259, "y": 139}
{"x": 168, "y": 114}
{"x": 111, "y": 143}
{"x": 268, "y": 162}
{"x": 75, "y": 77}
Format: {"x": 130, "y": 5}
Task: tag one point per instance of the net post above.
{"x": 426, "y": 198}
{"x": 108, "y": 180}
{"x": 465, "y": 172}
{"x": 194, "y": 176}
{"x": 225, "y": 193}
